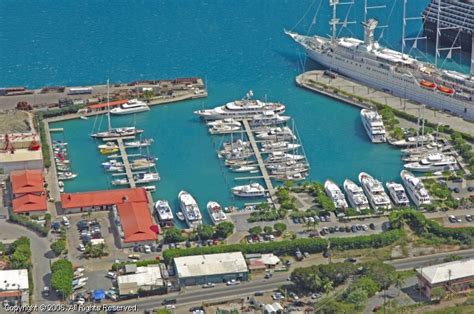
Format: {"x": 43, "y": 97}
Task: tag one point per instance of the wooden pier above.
{"x": 261, "y": 164}
{"x": 123, "y": 155}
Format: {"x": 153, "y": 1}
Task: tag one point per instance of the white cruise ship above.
{"x": 397, "y": 193}
{"x": 336, "y": 195}
{"x": 246, "y": 108}
{"x": 355, "y": 195}
{"x": 190, "y": 209}
{"x": 164, "y": 213}
{"x": 432, "y": 163}
{"x": 373, "y": 125}
{"x": 216, "y": 212}
{"x": 375, "y": 192}
{"x": 132, "y": 106}
{"x": 249, "y": 190}
{"x": 389, "y": 70}
{"x": 416, "y": 189}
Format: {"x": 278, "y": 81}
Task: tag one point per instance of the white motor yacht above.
{"x": 279, "y": 157}
{"x": 249, "y": 190}
{"x": 355, "y": 195}
{"x": 240, "y": 109}
{"x": 268, "y": 117}
{"x": 397, "y": 193}
{"x": 146, "y": 178}
{"x": 268, "y": 147}
{"x": 375, "y": 192}
{"x": 433, "y": 162}
{"x": 335, "y": 194}
{"x": 216, "y": 212}
{"x": 276, "y": 133}
{"x": 415, "y": 188}
{"x": 373, "y": 124}
{"x": 132, "y": 106}
{"x": 164, "y": 213}
{"x": 190, "y": 209}
{"x": 228, "y": 121}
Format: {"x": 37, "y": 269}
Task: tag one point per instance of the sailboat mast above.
{"x": 472, "y": 56}
{"x": 404, "y": 25}
{"x": 334, "y": 20}
{"x": 437, "y": 32}
{"x": 108, "y": 107}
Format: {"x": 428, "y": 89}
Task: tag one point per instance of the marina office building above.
{"x": 215, "y": 268}
{"x": 28, "y": 192}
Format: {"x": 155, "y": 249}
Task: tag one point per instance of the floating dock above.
{"x": 261, "y": 164}
{"x": 126, "y": 163}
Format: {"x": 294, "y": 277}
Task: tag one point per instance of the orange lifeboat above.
{"x": 446, "y": 90}
{"x": 427, "y": 84}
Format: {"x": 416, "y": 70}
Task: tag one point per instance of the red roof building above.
{"x": 85, "y": 200}
{"x": 29, "y": 203}
{"x": 103, "y": 106}
{"x": 136, "y": 222}
{"x": 27, "y": 181}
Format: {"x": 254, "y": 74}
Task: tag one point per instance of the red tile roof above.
{"x": 29, "y": 203}
{"x": 10, "y": 294}
{"x": 27, "y": 181}
{"x": 103, "y": 198}
{"x": 111, "y": 104}
{"x": 136, "y": 222}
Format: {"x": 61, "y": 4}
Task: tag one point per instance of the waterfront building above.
{"x": 140, "y": 279}
{"x": 215, "y": 268}
{"x": 20, "y": 159}
{"x": 14, "y": 286}
{"x": 134, "y": 224}
{"x": 454, "y": 277}
{"x": 28, "y": 192}
{"x": 100, "y": 200}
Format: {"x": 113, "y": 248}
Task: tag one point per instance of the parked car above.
{"x": 146, "y": 249}
{"x": 81, "y": 247}
{"x": 258, "y": 293}
{"x": 278, "y": 296}
{"x": 111, "y": 275}
{"x": 469, "y": 218}
{"x": 66, "y": 222}
{"x": 372, "y": 226}
{"x": 134, "y": 256}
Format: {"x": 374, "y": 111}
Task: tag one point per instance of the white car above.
{"x": 170, "y": 307}
{"x": 147, "y": 249}
{"x": 81, "y": 247}
{"x": 80, "y": 301}
{"x": 278, "y": 296}
{"x": 233, "y": 282}
{"x": 111, "y": 275}
{"x": 66, "y": 222}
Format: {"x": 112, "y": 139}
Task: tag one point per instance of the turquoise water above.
{"x": 235, "y": 45}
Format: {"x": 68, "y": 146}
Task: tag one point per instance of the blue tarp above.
{"x": 98, "y": 295}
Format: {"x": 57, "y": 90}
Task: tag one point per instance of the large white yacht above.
{"x": 397, "y": 193}
{"x": 355, "y": 195}
{"x": 249, "y": 190}
{"x": 132, "y": 106}
{"x": 283, "y": 146}
{"x": 216, "y": 212}
{"x": 375, "y": 192}
{"x": 118, "y": 132}
{"x": 164, "y": 213}
{"x": 276, "y": 134}
{"x": 416, "y": 189}
{"x": 336, "y": 195}
{"x": 389, "y": 70}
{"x": 373, "y": 125}
{"x": 279, "y": 157}
{"x": 268, "y": 117}
{"x": 190, "y": 209}
{"x": 433, "y": 162}
{"x": 246, "y": 108}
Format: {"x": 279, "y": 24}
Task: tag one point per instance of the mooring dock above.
{"x": 261, "y": 164}
{"x": 124, "y": 156}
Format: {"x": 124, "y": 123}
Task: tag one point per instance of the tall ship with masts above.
{"x": 392, "y": 71}
{"x": 455, "y": 18}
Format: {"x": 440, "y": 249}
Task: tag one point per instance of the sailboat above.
{"x": 115, "y": 132}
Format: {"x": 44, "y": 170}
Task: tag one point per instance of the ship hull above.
{"x": 386, "y": 81}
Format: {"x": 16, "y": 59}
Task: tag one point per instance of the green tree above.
{"x": 399, "y": 281}
{"x": 357, "y": 297}
{"x": 173, "y": 235}
{"x": 328, "y": 286}
{"x": 20, "y": 253}
{"x": 58, "y": 246}
{"x": 61, "y": 277}
{"x": 438, "y": 294}
{"x": 96, "y": 250}
{"x": 366, "y": 283}
{"x": 268, "y": 229}
{"x": 205, "y": 232}
{"x": 383, "y": 274}
{"x": 255, "y": 230}
{"x": 224, "y": 229}
{"x": 279, "y": 227}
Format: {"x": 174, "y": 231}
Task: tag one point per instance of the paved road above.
{"x": 196, "y": 295}
{"x": 423, "y": 261}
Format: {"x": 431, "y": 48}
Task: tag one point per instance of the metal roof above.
{"x": 448, "y": 271}
{"x": 211, "y": 264}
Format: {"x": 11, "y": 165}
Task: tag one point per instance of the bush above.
{"x": 224, "y": 229}
{"x": 173, "y": 235}
{"x": 288, "y": 247}
{"x": 25, "y": 221}
{"x": 20, "y": 254}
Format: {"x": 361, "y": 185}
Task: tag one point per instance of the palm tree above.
{"x": 328, "y": 286}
